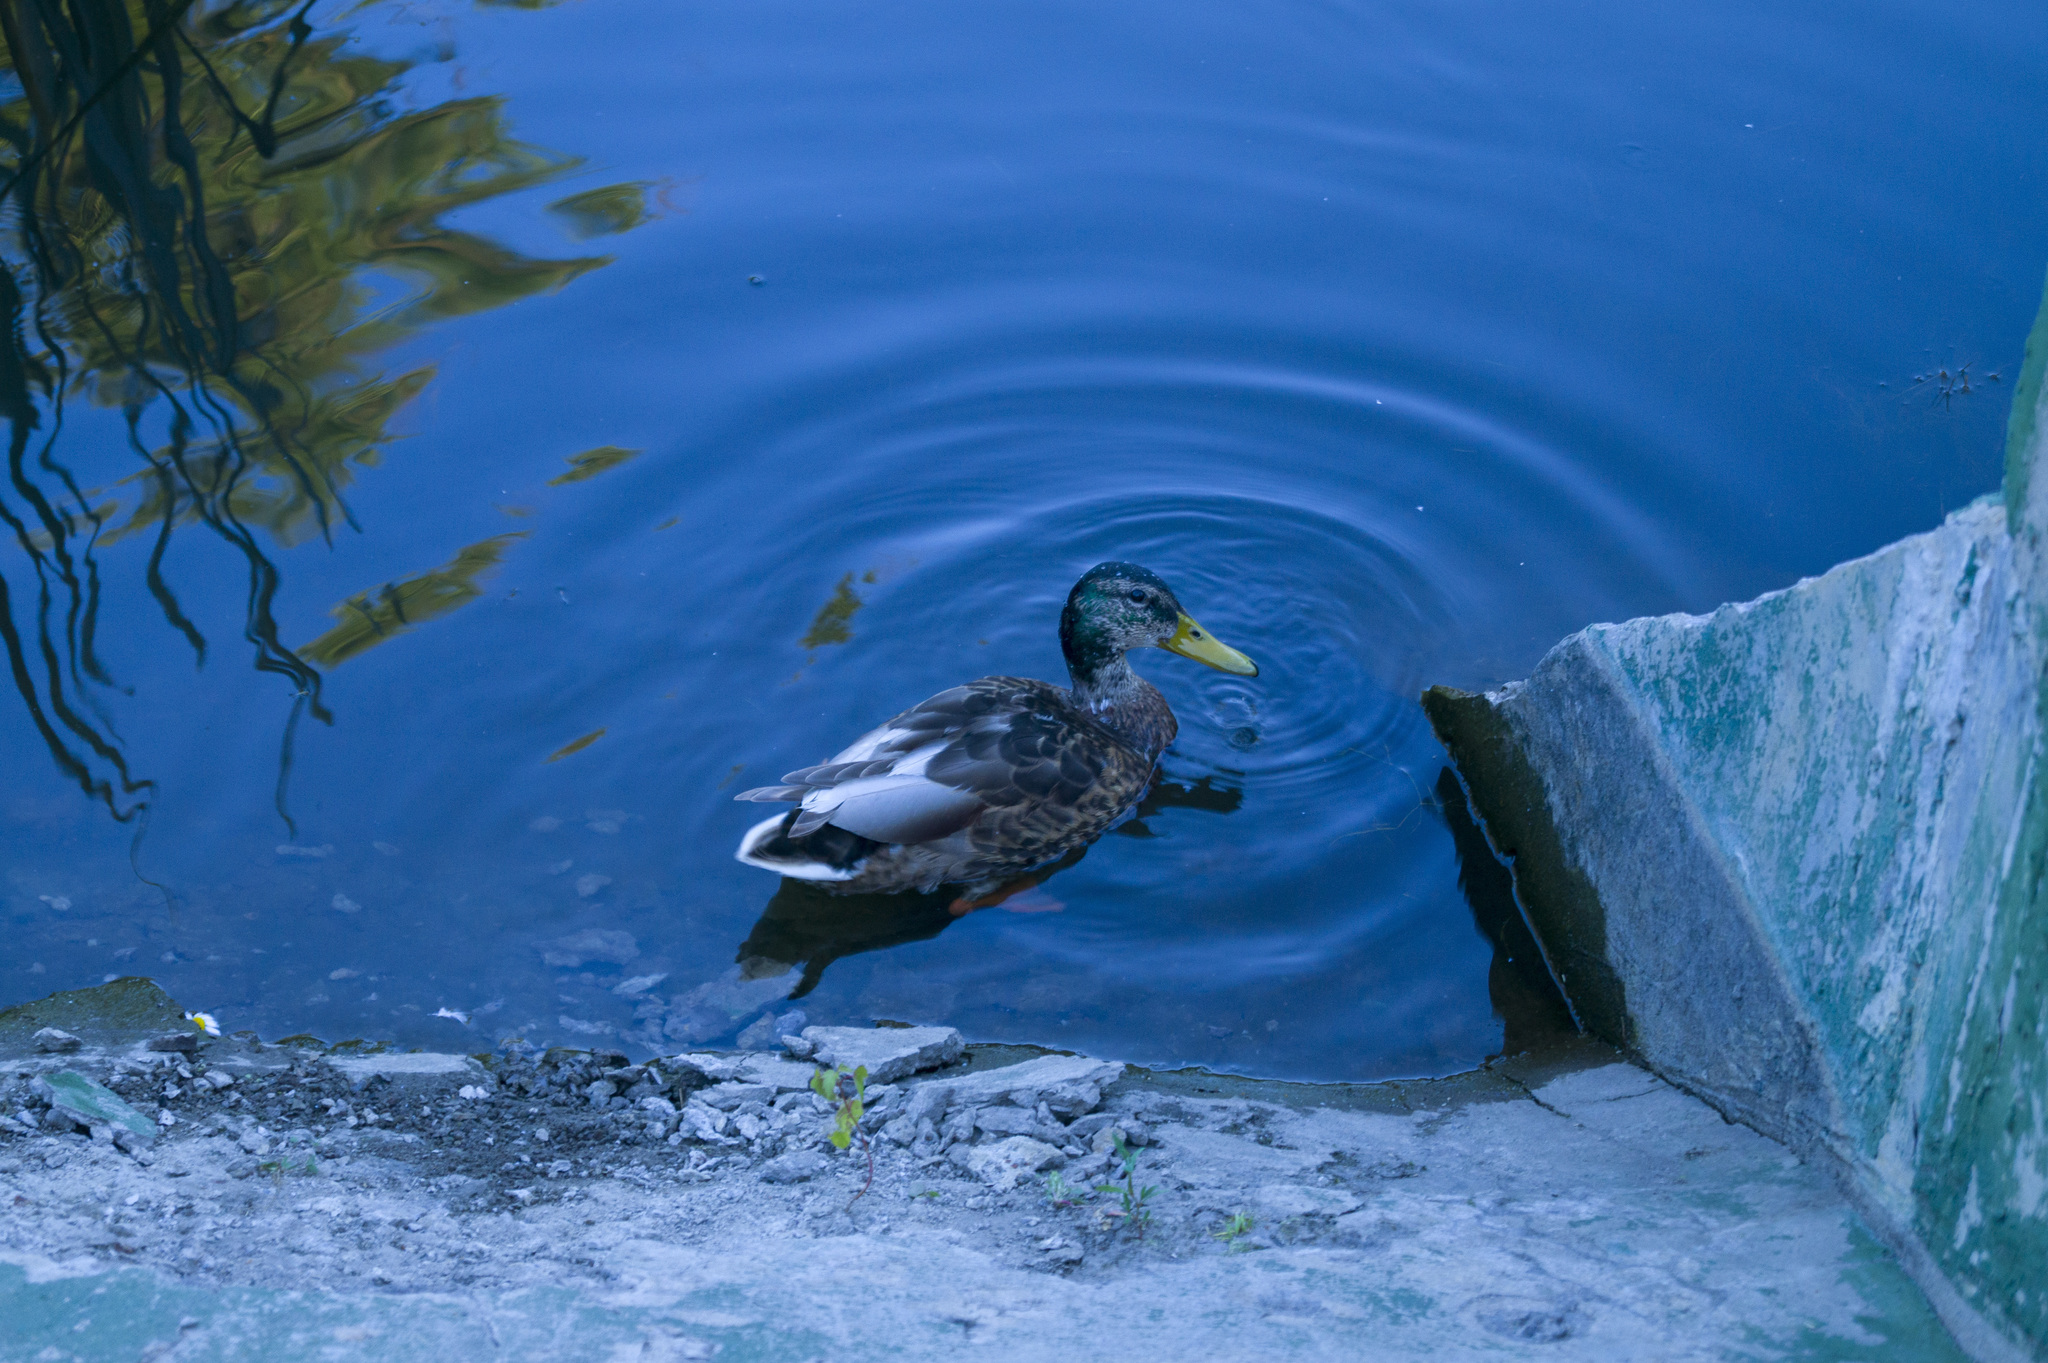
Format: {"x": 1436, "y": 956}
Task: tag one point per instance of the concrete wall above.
{"x": 1791, "y": 853}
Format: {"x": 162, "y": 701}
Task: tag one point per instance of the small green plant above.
{"x": 1239, "y": 1224}
{"x": 929, "y": 1192}
{"x": 847, "y": 1091}
{"x": 1135, "y": 1213}
{"x": 1061, "y": 1193}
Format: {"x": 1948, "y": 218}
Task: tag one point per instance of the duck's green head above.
{"x": 1116, "y": 607}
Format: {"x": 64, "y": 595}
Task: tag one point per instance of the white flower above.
{"x": 204, "y": 1022}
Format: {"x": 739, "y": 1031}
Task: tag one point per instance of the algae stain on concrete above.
{"x": 1899, "y": 1323}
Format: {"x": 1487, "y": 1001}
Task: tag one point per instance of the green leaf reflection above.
{"x": 602, "y": 212}
{"x": 590, "y": 463}
{"x": 370, "y": 618}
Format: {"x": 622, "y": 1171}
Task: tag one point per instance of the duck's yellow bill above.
{"x": 1192, "y": 641}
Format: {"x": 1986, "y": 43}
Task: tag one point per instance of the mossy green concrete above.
{"x": 123, "y": 1011}
{"x": 1792, "y": 854}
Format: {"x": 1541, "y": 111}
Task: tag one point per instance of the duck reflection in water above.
{"x": 807, "y": 924}
{"x": 984, "y": 786}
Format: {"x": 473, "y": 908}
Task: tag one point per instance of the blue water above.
{"x": 1403, "y": 339}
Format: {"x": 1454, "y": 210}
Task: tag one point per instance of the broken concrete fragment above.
{"x": 714, "y": 1068}
{"x": 888, "y": 1052}
{"x": 1003, "y": 1164}
{"x": 731, "y": 1095}
{"x": 776, "y": 1072}
{"x": 92, "y": 1106}
{"x": 1025, "y": 1084}
{"x": 1005, "y": 1120}
{"x": 800, "y": 1167}
{"x": 51, "y": 1041}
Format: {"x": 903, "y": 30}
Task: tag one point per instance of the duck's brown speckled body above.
{"x": 989, "y": 780}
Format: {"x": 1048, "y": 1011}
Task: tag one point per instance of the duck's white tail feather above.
{"x": 796, "y": 867}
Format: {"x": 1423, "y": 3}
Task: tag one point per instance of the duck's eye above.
{"x": 1140, "y": 595}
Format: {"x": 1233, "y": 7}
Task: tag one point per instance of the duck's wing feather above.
{"x": 1001, "y": 743}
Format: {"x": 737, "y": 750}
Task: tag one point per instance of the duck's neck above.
{"x": 1124, "y": 703}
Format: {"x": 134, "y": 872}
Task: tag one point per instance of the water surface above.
{"x": 577, "y": 414}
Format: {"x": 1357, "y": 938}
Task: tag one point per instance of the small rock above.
{"x": 1060, "y": 1250}
{"x": 51, "y": 1041}
{"x": 800, "y": 1167}
{"x": 1002, "y": 1164}
{"x": 593, "y": 944}
{"x": 182, "y": 1043}
{"x": 638, "y": 985}
{"x": 1071, "y": 1100}
{"x": 800, "y": 1048}
{"x": 1004, "y": 1120}
{"x": 704, "y": 1122}
{"x": 766, "y": 1031}
{"x": 888, "y": 1052}
{"x": 783, "y": 1075}
{"x": 730, "y": 1095}
{"x": 716, "y": 1068}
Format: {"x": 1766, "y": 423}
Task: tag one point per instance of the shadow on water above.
{"x": 206, "y": 209}
{"x": 807, "y": 928}
{"x": 1525, "y": 998}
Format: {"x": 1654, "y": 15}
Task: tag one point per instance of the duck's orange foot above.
{"x": 965, "y": 905}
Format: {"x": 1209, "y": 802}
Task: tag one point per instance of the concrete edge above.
{"x": 2021, "y": 423}
{"x": 1490, "y": 744}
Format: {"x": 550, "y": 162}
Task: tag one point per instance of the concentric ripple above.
{"x": 1401, "y": 349}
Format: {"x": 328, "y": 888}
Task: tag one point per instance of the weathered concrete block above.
{"x": 1004, "y": 1164}
{"x": 890, "y": 1053}
{"x": 1792, "y": 854}
{"x": 1024, "y": 1084}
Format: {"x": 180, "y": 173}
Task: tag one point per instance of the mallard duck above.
{"x": 983, "y": 784}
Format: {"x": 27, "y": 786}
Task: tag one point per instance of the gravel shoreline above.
{"x": 298, "y": 1200}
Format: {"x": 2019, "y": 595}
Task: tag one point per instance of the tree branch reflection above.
{"x": 223, "y": 278}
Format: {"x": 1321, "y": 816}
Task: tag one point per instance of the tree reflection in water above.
{"x": 207, "y": 210}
